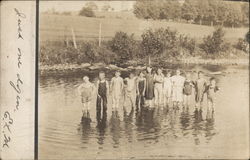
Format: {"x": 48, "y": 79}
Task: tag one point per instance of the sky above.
{"x": 61, "y": 6}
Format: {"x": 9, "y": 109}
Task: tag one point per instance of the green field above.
{"x": 58, "y": 27}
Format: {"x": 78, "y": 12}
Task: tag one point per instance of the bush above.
{"x": 247, "y": 37}
{"x": 166, "y": 42}
{"x": 188, "y": 44}
{"x": 90, "y": 52}
{"x": 215, "y": 43}
{"x": 123, "y": 45}
{"x": 242, "y": 45}
{"x": 87, "y": 12}
{"x": 66, "y": 13}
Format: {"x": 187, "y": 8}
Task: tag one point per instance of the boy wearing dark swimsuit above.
{"x": 102, "y": 93}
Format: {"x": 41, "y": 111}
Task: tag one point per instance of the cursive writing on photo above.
{"x": 19, "y": 22}
{"x": 8, "y": 118}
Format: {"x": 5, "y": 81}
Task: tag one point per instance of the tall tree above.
{"x": 91, "y": 5}
{"x": 106, "y": 7}
{"x": 188, "y": 11}
{"x": 245, "y": 13}
{"x": 202, "y": 8}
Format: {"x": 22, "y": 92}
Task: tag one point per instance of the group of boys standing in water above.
{"x": 148, "y": 89}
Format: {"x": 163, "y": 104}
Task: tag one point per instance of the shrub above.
{"x": 87, "y": 12}
{"x": 106, "y": 55}
{"x": 123, "y": 45}
{"x": 91, "y": 52}
{"x": 160, "y": 41}
{"x": 187, "y": 43}
{"x": 66, "y": 13}
{"x": 247, "y": 37}
{"x": 215, "y": 43}
{"x": 243, "y": 45}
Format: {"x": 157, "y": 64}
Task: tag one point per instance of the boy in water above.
{"x": 200, "y": 86}
{"x": 167, "y": 88}
{"x": 130, "y": 90}
{"x": 178, "y": 83}
{"x": 140, "y": 89}
{"x": 86, "y": 90}
{"x": 116, "y": 88}
{"x": 149, "y": 91}
{"x": 102, "y": 92}
{"x": 211, "y": 89}
{"x": 158, "y": 80}
{"x": 187, "y": 90}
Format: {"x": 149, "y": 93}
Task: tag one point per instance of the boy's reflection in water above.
{"x": 174, "y": 115}
{"x": 85, "y": 126}
{"x": 148, "y": 123}
{"x": 128, "y": 124}
{"x": 209, "y": 126}
{"x": 101, "y": 118}
{"x": 197, "y": 125}
{"x": 115, "y": 128}
{"x": 185, "y": 120}
{"x": 201, "y": 126}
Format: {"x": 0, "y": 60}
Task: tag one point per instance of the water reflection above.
{"x": 85, "y": 128}
{"x": 185, "y": 119}
{"x": 115, "y": 128}
{"x": 149, "y": 124}
{"x": 209, "y": 126}
{"x": 101, "y": 118}
{"x": 105, "y": 129}
{"x": 128, "y": 124}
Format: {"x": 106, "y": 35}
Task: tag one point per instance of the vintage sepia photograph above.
{"x": 145, "y": 79}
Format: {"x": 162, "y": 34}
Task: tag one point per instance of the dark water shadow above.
{"x": 115, "y": 128}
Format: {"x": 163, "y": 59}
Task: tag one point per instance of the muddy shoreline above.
{"x": 61, "y": 69}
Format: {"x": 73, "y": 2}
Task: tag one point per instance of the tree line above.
{"x": 206, "y": 12}
{"x": 162, "y": 43}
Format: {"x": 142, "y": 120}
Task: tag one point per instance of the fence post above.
{"x": 66, "y": 37}
{"x": 100, "y": 33}
{"x": 73, "y": 37}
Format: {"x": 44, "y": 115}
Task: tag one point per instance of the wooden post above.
{"x": 149, "y": 60}
{"x": 73, "y": 37}
{"x": 66, "y": 37}
{"x": 100, "y": 33}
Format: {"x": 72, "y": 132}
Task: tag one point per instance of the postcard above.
{"x": 156, "y": 79}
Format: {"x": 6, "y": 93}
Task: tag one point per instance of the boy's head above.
{"x": 141, "y": 74}
{"x": 85, "y": 79}
{"x": 212, "y": 81}
{"x": 178, "y": 72}
{"x": 149, "y": 69}
{"x": 159, "y": 71}
{"x": 200, "y": 74}
{"x": 131, "y": 75}
{"x": 117, "y": 73}
{"x": 168, "y": 74}
{"x": 101, "y": 75}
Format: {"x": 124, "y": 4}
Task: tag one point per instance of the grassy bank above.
{"x": 58, "y": 27}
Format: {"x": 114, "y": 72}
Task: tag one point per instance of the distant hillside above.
{"x": 58, "y": 27}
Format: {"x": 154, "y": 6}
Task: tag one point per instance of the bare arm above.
{"x": 122, "y": 84}
{"x": 97, "y": 87}
{"x": 93, "y": 89}
{"x": 107, "y": 86}
{"x": 144, "y": 87}
{"x": 111, "y": 84}
{"x": 137, "y": 86}
{"x": 79, "y": 89}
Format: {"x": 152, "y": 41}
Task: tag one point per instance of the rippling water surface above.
{"x": 64, "y": 133}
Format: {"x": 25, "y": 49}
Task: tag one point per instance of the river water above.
{"x": 149, "y": 133}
